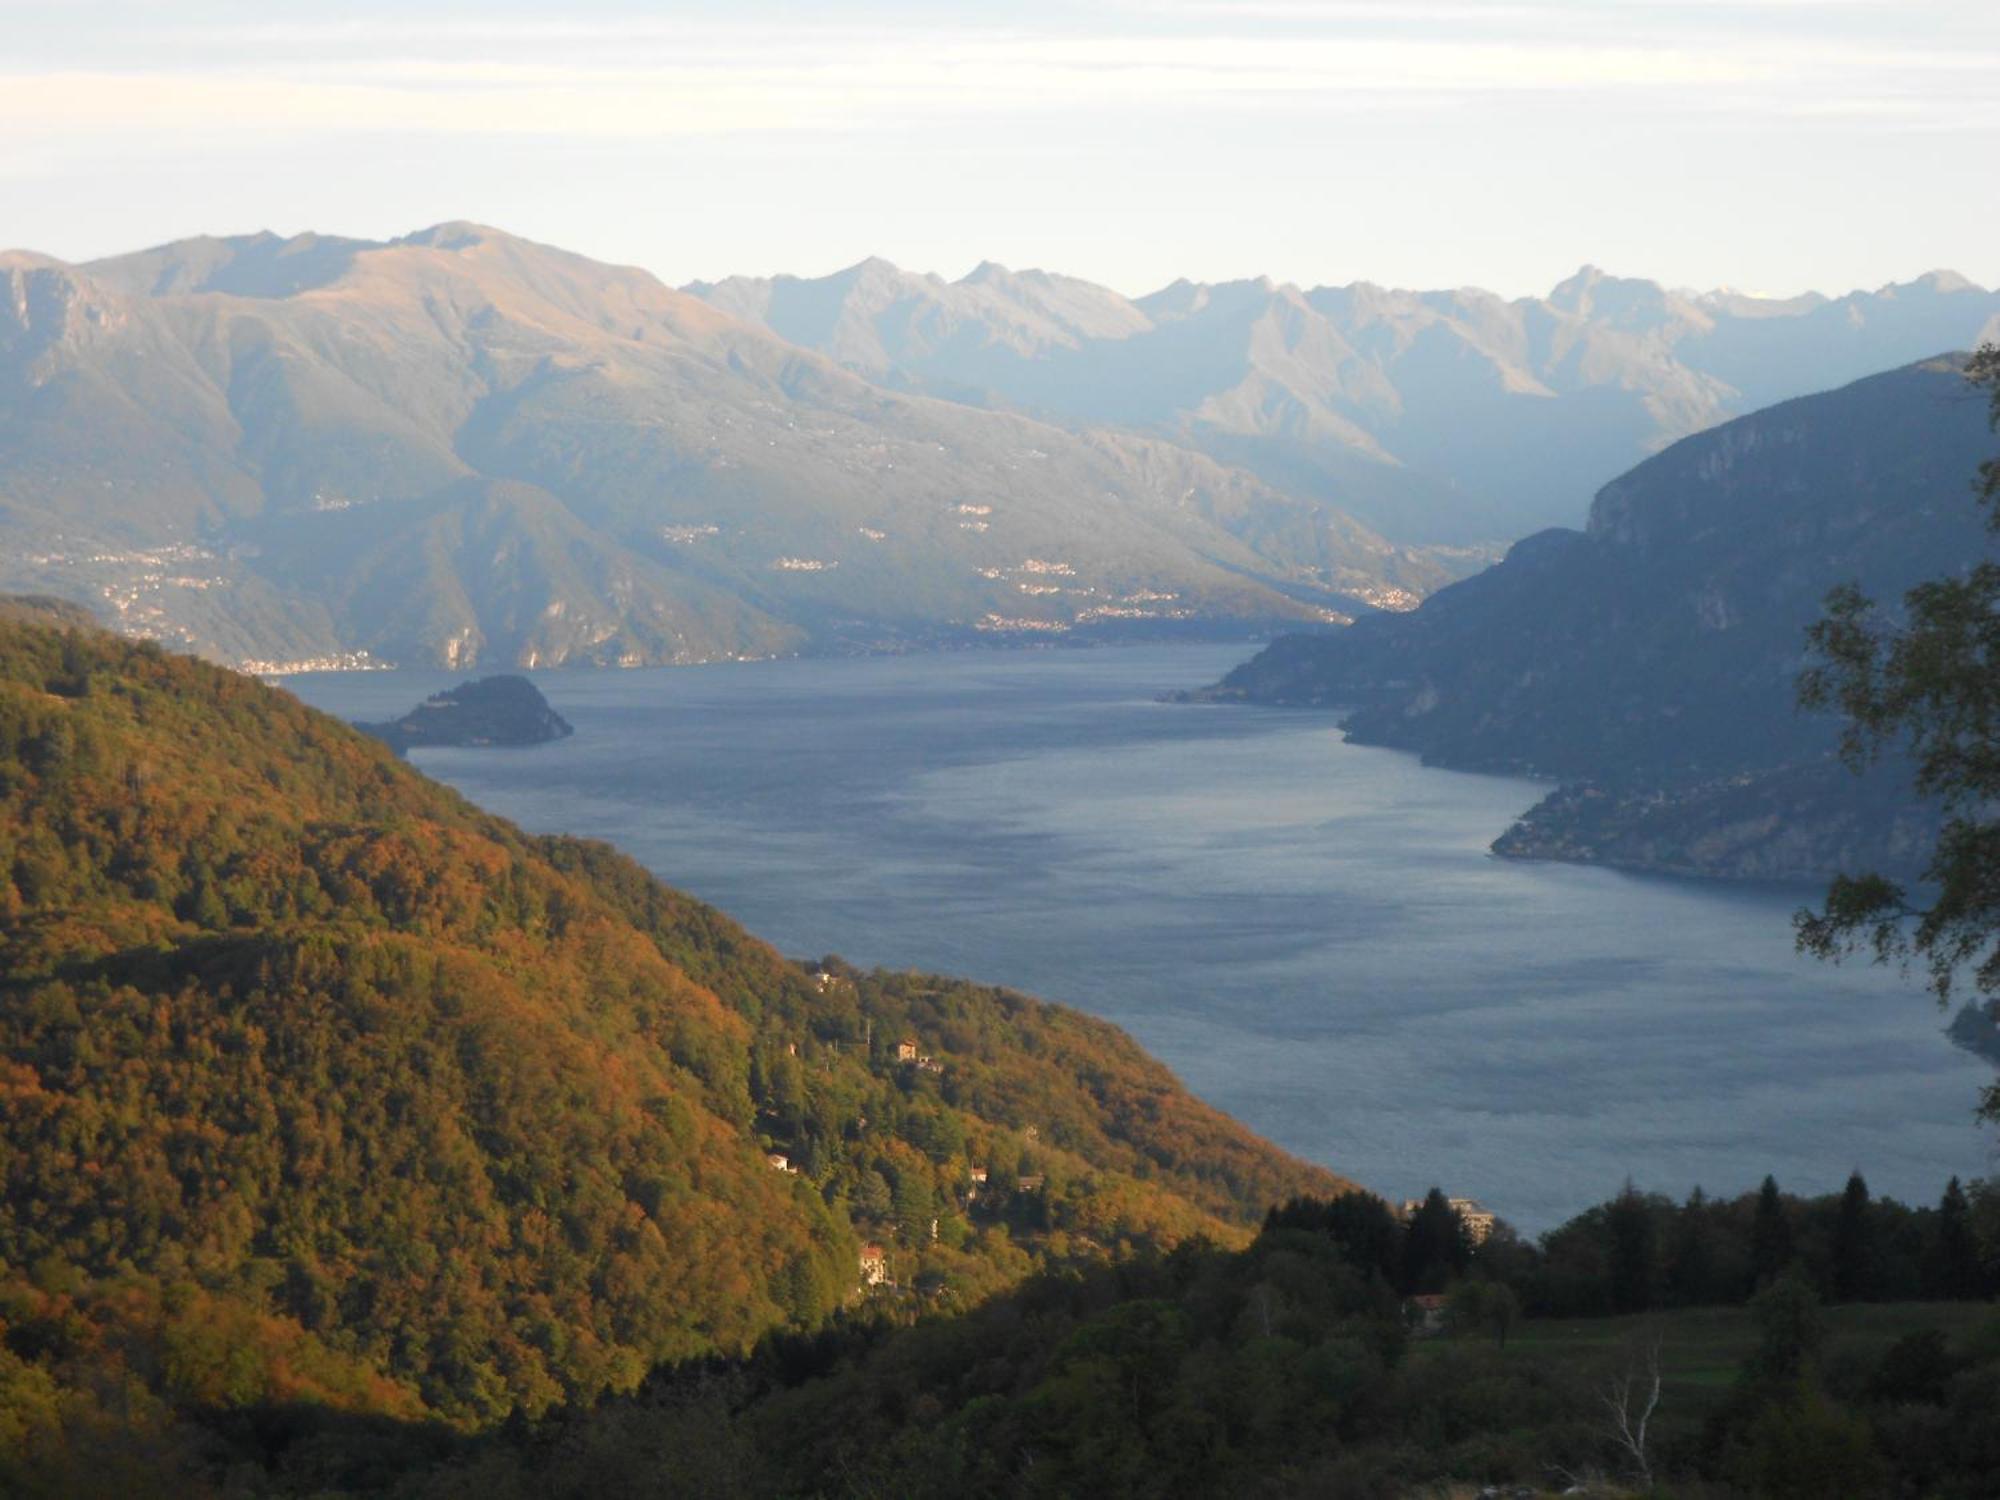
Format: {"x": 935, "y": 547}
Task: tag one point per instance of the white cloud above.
{"x": 666, "y": 80}
{"x": 1422, "y": 141}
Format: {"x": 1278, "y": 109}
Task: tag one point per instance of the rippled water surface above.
{"x": 1312, "y": 934}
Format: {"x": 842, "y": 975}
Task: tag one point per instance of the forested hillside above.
{"x": 1791, "y": 1364}
{"x": 317, "y": 1084}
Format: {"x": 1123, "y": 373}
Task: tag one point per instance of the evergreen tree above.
{"x": 1853, "y": 1270}
{"x": 1691, "y": 1268}
{"x": 1435, "y": 1247}
{"x": 1368, "y": 1233}
{"x": 1630, "y": 1262}
{"x": 916, "y": 1205}
{"x": 1954, "y": 1271}
{"x": 1770, "y": 1235}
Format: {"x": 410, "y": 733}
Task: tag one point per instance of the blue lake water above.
{"x": 1311, "y": 934}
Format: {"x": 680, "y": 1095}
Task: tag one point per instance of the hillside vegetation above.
{"x": 317, "y": 1084}
{"x": 1293, "y": 1366}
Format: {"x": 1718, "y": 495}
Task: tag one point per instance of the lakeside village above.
{"x": 876, "y": 1262}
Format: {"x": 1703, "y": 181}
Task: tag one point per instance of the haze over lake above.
{"x": 1311, "y": 934}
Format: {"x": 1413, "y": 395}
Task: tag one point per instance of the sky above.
{"x": 1774, "y": 146}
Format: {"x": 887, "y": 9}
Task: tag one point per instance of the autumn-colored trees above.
{"x": 477, "y": 1116}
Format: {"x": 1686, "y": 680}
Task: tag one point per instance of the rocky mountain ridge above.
{"x": 1437, "y": 416}
{"x": 462, "y": 448}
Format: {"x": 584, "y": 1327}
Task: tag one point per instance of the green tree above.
{"x": 915, "y": 1205}
{"x": 1929, "y": 684}
{"x": 1854, "y": 1251}
{"x": 871, "y": 1194}
{"x": 1954, "y": 1269}
{"x": 1364, "y": 1227}
{"x": 1482, "y": 1307}
{"x": 1770, "y": 1234}
{"x": 1436, "y": 1249}
{"x": 1691, "y": 1270}
{"x": 1790, "y": 1330}
{"x": 1805, "y": 1447}
{"x": 1632, "y": 1251}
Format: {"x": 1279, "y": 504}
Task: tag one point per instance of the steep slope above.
{"x": 1433, "y": 416}
{"x": 1653, "y": 655}
{"x": 463, "y": 448}
{"x": 318, "y": 1084}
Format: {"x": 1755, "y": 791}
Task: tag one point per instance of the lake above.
{"x": 1312, "y": 934}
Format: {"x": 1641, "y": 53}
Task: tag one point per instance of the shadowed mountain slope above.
{"x": 1653, "y": 655}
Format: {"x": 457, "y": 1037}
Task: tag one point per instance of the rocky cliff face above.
{"x": 1650, "y": 660}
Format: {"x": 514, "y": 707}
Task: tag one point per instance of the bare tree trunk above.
{"x": 1630, "y": 1398}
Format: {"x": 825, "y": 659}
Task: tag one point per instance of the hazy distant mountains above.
{"x": 1433, "y": 416}
{"x": 1650, "y": 660}
{"x": 463, "y": 448}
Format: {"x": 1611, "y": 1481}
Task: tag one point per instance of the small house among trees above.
{"x": 1425, "y": 1313}
{"x": 874, "y": 1266}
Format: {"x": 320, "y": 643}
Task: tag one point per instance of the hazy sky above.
{"x": 1774, "y": 146}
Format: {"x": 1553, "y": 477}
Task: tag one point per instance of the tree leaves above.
{"x": 1928, "y": 683}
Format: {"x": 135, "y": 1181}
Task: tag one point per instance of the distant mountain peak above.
{"x": 1946, "y": 282}
{"x": 869, "y": 266}
{"x": 263, "y": 264}
{"x": 1178, "y": 299}
{"x": 457, "y": 234}
{"x": 1572, "y": 293}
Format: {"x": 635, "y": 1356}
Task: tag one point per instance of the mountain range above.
{"x": 1434, "y": 416}
{"x": 460, "y": 448}
{"x": 1649, "y": 660}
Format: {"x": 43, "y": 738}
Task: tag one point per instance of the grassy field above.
{"x": 1702, "y": 1348}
